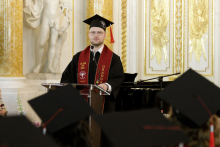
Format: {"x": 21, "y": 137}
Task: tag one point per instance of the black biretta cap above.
{"x": 98, "y": 21}
{"x": 192, "y": 96}
{"x": 61, "y": 107}
{"x": 143, "y": 128}
{"x": 19, "y": 132}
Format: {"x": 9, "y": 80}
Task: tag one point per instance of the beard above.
{"x": 100, "y": 42}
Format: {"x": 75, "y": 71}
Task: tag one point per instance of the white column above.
{"x": 216, "y": 42}
{"x": 132, "y": 49}
{"x": 79, "y": 26}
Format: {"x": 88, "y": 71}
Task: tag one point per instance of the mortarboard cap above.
{"x": 98, "y": 21}
{"x": 142, "y": 128}
{"x": 61, "y": 107}
{"x": 19, "y": 132}
{"x": 101, "y": 22}
{"x": 193, "y": 97}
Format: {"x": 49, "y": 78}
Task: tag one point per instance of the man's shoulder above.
{"x": 77, "y": 54}
{"x": 115, "y": 56}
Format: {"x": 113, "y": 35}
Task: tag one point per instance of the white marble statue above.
{"x": 53, "y": 18}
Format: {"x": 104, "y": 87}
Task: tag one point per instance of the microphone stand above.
{"x": 97, "y": 82}
{"x": 160, "y": 77}
{"x": 160, "y": 80}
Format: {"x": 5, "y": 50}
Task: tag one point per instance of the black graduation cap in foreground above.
{"x": 193, "y": 97}
{"x": 98, "y": 21}
{"x": 20, "y": 132}
{"x": 61, "y": 107}
{"x": 143, "y": 128}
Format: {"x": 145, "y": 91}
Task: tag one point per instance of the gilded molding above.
{"x": 103, "y": 8}
{"x": 184, "y": 35}
{"x": 159, "y": 17}
{"x": 198, "y": 27}
{"x": 178, "y": 36}
{"x": 11, "y": 40}
{"x": 89, "y": 13}
{"x": 147, "y": 41}
{"x": 73, "y": 28}
{"x": 124, "y": 34}
{"x": 185, "y": 63}
{"x": 212, "y": 42}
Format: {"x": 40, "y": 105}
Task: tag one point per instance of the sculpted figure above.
{"x": 53, "y": 18}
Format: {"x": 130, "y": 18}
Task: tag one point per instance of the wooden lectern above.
{"x": 95, "y": 100}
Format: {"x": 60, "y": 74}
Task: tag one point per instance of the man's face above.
{"x": 96, "y": 36}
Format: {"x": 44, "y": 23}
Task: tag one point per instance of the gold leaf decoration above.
{"x": 159, "y": 20}
{"x": 198, "y": 26}
{"x": 124, "y": 34}
{"x": 11, "y": 39}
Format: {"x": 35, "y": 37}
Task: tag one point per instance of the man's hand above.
{"x": 103, "y": 86}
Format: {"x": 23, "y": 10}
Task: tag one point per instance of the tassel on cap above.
{"x": 44, "y": 131}
{"x": 211, "y": 140}
{"x": 111, "y": 35}
{"x": 181, "y": 144}
{"x": 45, "y": 124}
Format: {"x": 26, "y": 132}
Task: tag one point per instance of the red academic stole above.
{"x": 103, "y": 65}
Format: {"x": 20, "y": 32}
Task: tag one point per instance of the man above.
{"x": 83, "y": 67}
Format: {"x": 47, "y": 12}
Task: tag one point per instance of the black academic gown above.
{"x": 115, "y": 77}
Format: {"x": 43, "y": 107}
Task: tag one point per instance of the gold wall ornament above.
{"x": 73, "y": 28}
{"x": 159, "y": 19}
{"x": 103, "y": 8}
{"x": 124, "y": 34}
{"x": 89, "y": 13}
{"x": 11, "y": 38}
{"x": 198, "y": 26}
{"x": 178, "y": 36}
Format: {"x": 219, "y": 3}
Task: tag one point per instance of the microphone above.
{"x": 92, "y": 47}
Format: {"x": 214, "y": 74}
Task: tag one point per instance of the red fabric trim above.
{"x": 103, "y": 65}
{"x": 83, "y": 66}
{"x": 46, "y": 123}
{"x": 146, "y": 127}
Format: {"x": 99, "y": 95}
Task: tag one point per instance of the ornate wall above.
{"x": 178, "y": 35}
{"x": 11, "y": 45}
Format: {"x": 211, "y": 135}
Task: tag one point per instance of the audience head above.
{"x": 62, "y": 112}
{"x": 194, "y": 101}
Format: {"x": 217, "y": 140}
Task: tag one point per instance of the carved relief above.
{"x": 159, "y": 19}
{"x": 198, "y": 26}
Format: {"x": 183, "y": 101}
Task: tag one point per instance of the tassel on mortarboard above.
{"x": 211, "y": 139}
{"x": 111, "y": 35}
{"x": 45, "y": 124}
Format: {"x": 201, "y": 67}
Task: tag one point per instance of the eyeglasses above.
{"x": 99, "y": 33}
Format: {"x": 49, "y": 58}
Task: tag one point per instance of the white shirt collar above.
{"x": 99, "y": 50}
